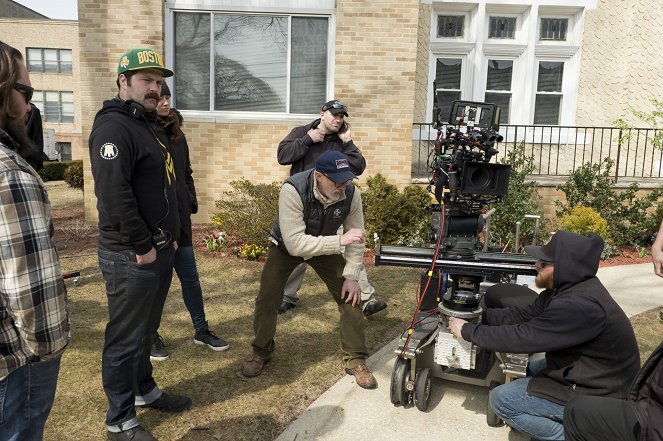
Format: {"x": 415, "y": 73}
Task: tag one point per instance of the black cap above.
{"x": 334, "y": 107}
{"x": 335, "y": 165}
{"x": 545, "y": 252}
{"x": 165, "y": 90}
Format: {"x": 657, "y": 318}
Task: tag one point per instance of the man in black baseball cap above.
{"x": 313, "y": 205}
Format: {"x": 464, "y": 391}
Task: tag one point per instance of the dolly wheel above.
{"x": 492, "y": 419}
{"x": 422, "y": 389}
{"x": 399, "y": 376}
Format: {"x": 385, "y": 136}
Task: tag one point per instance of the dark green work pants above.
{"x": 277, "y": 269}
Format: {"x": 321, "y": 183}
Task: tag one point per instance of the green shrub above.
{"x": 54, "y": 170}
{"x": 583, "y": 220}
{"x": 520, "y": 201}
{"x": 73, "y": 175}
{"x": 398, "y": 218}
{"x": 246, "y": 213}
{"x": 629, "y": 221}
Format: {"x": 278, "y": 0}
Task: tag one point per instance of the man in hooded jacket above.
{"x": 589, "y": 344}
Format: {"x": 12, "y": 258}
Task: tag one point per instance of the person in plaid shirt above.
{"x": 34, "y": 319}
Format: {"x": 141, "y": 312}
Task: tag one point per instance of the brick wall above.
{"x": 374, "y": 74}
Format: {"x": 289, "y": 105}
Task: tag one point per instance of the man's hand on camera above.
{"x": 353, "y": 235}
{"x": 346, "y": 136}
{"x": 350, "y": 292}
{"x": 146, "y": 259}
{"x": 455, "y": 325}
{"x": 316, "y": 135}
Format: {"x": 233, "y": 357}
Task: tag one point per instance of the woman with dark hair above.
{"x": 185, "y": 259}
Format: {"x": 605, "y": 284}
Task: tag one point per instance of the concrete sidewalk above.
{"x": 456, "y": 411}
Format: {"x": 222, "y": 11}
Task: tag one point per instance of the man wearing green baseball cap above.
{"x": 134, "y": 181}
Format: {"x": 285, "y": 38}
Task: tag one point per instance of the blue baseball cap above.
{"x": 335, "y": 165}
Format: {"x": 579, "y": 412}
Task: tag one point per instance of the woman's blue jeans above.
{"x": 192, "y": 293}
{"x": 26, "y": 398}
{"x": 537, "y": 417}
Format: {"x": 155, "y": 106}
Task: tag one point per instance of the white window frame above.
{"x": 525, "y": 51}
{"x": 319, "y": 8}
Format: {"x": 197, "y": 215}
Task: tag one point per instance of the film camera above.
{"x": 464, "y": 182}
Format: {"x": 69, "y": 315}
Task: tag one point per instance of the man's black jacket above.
{"x": 588, "y": 340}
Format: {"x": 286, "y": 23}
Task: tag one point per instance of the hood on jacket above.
{"x": 576, "y": 258}
{"x": 117, "y": 104}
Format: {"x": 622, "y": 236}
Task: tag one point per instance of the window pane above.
{"x": 65, "y": 151}
{"x": 50, "y": 60}
{"x": 250, "y": 59}
{"x": 450, "y": 26}
{"x": 444, "y": 101}
{"x": 65, "y": 60}
{"x": 550, "y": 76}
{"x": 34, "y": 60}
{"x": 503, "y": 100}
{"x": 447, "y": 73}
{"x": 67, "y": 109}
{"x": 547, "y": 108}
{"x": 192, "y": 61}
{"x": 52, "y": 107}
{"x": 502, "y": 27}
{"x": 308, "y": 70}
{"x": 554, "y": 29}
{"x": 38, "y": 100}
{"x": 499, "y": 75}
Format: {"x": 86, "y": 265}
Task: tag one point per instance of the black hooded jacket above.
{"x": 300, "y": 152}
{"x": 588, "y": 340}
{"x": 135, "y": 195}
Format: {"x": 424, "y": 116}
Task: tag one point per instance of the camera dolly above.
{"x": 427, "y": 348}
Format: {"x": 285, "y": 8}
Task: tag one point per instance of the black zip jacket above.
{"x": 135, "y": 194}
{"x": 187, "y": 202}
{"x": 588, "y": 340}
{"x": 646, "y": 397}
{"x": 300, "y": 152}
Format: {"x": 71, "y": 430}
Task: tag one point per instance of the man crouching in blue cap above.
{"x": 313, "y": 205}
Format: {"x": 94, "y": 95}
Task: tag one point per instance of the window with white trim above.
{"x": 447, "y": 83}
{"x": 498, "y": 86}
{"x": 523, "y": 57}
{"x": 49, "y": 60}
{"x": 549, "y": 93}
{"x": 54, "y": 106}
{"x": 250, "y": 62}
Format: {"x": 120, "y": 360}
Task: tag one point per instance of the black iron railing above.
{"x": 560, "y": 150}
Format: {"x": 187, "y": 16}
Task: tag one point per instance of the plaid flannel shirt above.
{"x": 34, "y": 318}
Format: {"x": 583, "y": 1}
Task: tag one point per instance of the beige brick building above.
{"x": 51, "y": 51}
{"x": 381, "y": 58}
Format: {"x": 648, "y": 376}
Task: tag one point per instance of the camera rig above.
{"x": 464, "y": 182}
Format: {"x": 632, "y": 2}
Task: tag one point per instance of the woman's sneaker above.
{"x": 158, "y": 351}
{"x": 206, "y": 337}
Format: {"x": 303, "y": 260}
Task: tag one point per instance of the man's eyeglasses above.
{"x": 27, "y": 91}
{"x": 337, "y": 185}
{"x": 334, "y": 105}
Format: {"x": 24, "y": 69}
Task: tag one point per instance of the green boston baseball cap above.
{"x": 137, "y": 59}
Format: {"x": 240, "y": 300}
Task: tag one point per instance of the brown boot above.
{"x": 253, "y": 366}
{"x": 363, "y": 376}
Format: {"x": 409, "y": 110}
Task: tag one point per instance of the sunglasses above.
{"x": 27, "y": 91}
{"x": 544, "y": 263}
{"x": 336, "y": 184}
{"x": 334, "y": 105}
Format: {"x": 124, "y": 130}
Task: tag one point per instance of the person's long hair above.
{"x": 11, "y": 60}
{"x": 173, "y": 124}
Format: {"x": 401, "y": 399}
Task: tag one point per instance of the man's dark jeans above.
{"x": 136, "y": 295}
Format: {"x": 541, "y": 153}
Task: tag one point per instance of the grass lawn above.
{"x": 225, "y": 406}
